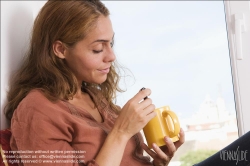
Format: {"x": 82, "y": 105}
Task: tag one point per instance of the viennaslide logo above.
{"x": 234, "y": 155}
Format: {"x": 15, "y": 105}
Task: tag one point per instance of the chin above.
{"x": 101, "y": 80}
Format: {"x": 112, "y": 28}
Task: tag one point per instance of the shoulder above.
{"x": 37, "y": 118}
{"x": 35, "y": 104}
{"x": 35, "y": 95}
{"x": 36, "y": 98}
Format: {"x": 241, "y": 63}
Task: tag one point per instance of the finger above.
{"x": 149, "y": 151}
{"x": 170, "y": 146}
{"x": 149, "y": 117}
{"x": 146, "y": 96}
{"x": 181, "y": 139}
{"x": 148, "y": 110}
{"x": 160, "y": 153}
{"x": 145, "y": 103}
{"x": 142, "y": 94}
{"x": 145, "y": 92}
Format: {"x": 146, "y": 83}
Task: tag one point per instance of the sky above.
{"x": 177, "y": 49}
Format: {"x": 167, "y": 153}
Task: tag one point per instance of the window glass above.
{"x": 180, "y": 51}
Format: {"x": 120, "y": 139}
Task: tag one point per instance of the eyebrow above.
{"x": 102, "y": 40}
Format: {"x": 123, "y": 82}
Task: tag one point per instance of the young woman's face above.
{"x": 90, "y": 59}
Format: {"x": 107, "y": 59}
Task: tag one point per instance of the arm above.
{"x": 132, "y": 118}
{"x": 112, "y": 150}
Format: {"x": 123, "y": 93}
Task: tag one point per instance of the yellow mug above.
{"x": 165, "y": 123}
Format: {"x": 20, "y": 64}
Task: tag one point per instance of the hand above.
{"x": 135, "y": 114}
{"x": 163, "y": 155}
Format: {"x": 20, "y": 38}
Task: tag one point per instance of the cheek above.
{"x": 87, "y": 65}
{"x": 81, "y": 62}
{"x": 91, "y": 62}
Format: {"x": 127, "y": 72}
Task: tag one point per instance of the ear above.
{"x": 59, "y": 49}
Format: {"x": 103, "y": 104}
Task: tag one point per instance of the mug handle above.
{"x": 176, "y": 130}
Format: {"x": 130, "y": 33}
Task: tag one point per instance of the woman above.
{"x": 61, "y": 100}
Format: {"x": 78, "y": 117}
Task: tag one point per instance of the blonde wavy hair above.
{"x": 67, "y": 21}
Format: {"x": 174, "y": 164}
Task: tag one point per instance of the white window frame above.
{"x": 240, "y": 64}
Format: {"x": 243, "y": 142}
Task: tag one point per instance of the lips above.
{"x": 104, "y": 71}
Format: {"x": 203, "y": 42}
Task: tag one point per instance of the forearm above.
{"x": 132, "y": 118}
{"x": 112, "y": 150}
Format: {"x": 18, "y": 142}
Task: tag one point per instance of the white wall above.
{"x": 16, "y": 22}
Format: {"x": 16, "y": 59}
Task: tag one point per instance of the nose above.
{"x": 110, "y": 55}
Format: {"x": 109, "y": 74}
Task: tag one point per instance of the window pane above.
{"x": 180, "y": 51}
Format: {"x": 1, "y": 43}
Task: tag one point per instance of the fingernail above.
{"x": 154, "y": 145}
{"x": 142, "y": 89}
{"x": 166, "y": 139}
{"x": 146, "y": 96}
{"x": 181, "y": 130}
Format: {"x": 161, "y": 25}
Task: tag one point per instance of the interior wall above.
{"x": 16, "y": 22}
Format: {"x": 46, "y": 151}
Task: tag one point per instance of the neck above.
{"x": 79, "y": 94}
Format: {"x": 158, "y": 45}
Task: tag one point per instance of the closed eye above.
{"x": 97, "y": 51}
{"x": 104, "y": 41}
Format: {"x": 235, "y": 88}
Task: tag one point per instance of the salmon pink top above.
{"x": 59, "y": 133}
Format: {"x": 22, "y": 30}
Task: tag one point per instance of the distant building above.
{"x": 211, "y": 128}
{"x": 211, "y": 115}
